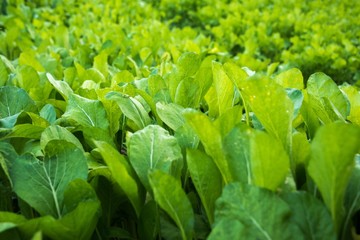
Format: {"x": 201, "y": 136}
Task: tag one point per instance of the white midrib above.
{"x": 260, "y": 228}
{"x": 53, "y": 192}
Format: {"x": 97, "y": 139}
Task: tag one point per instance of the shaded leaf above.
{"x": 331, "y": 164}
{"x": 172, "y": 198}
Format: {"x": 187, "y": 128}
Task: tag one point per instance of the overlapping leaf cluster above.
{"x": 116, "y": 133}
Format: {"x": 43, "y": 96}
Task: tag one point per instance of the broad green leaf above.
{"x": 291, "y": 78}
{"x": 25, "y": 131}
{"x": 7, "y": 156}
{"x": 310, "y": 116}
{"x": 332, "y": 162}
{"x": 238, "y": 153}
{"x": 311, "y": 215}
{"x": 269, "y": 161}
{"x": 123, "y": 174}
{"x": 101, "y": 64}
{"x": 353, "y": 95}
{"x": 352, "y": 200}
{"x": 61, "y": 86}
{"x": 59, "y": 133}
{"x": 156, "y": 83}
{"x": 29, "y": 58}
{"x": 188, "y": 64}
{"x": 171, "y": 114}
{"x": 48, "y": 178}
{"x": 131, "y": 108}
{"x": 81, "y": 199}
{"x": 271, "y": 106}
{"x": 226, "y": 122}
{"x": 37, "y": 120}
{"x": 187, "y": 93}
{"x": 300, "y": 152}
{"x": 210, "y": 137}
{"x": 224, "y": 88}
{"x": 88, "y": 113}
{"x": 230, "y": 229}
{"x": 153, "y": 148}
{"x": 261, "y": 211}
{"x": 206, "y": 178}
{"x": 171, "y": 197}
{"x": 204, "y": 76}
{"x": 236, "y": 74}
{"x": 326, "y": 98}
{"x": 13, "y": 101}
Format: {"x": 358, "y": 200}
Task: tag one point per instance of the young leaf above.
{"x": 261, "y": 211}
{"x": 61, "y": 86}
{"x": 123, "y": 174}
{"x": 131, "y": 108}
{"x": 272, "y": 107}
{"x": 291, "y": 78}
{"x": 153, "y": 148}
{"x": 48, "y": 178}
{"x": 59, "y": 133}
{"x": 224, "y": 88}
{"x": 326, "y": 98}
{"x": 331, "y": 164}
{"x": 310, "y": 215}
{"x": 206, "y": 178}
{"x": 172, "y": 198}
{"x": 269, "y": 161}
{"x": 171, "y": 114}
{"x": 88, "y": 113}
{"x": 238, "y": 153}
{"x": 212, "y": 141}
{"x": 353, "y": 95}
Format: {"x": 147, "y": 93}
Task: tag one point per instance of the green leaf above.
{"x": 48, "y": 178}
{"x": 238, "y": 153}
{"x": 171, "y": 114}
{"x": 230, "y": 229}
{"x": 352, "y": 200}
{"x": 7, "y": 156}
{"x": 148, "y": 221}
{"x": 172, "y": 198}
{"x": 48, "y": 112}
{"x": 28, "y": 58}
{"x": 211, "y": 138}
{"x": 61, "y": 86}
{"x": 153, "y": 148}
{"x": 272, "y": 107}
{"x": 58, "y": 133}
{"x": 261, "y": 211}
{"x": 206, "y": 178}
{"x": 187, "y": 93}
{"x": 291, "y": 78}
{"x": 131, "y": 108}
{"x": 331, "y": 164}
{"x": 123, "y": 174}
{"x": 269, "y": 161}
{"x": 25, "y": 131}
{"x": 83, "y": 209}
{"x": 88, "y": 113}
{"x": 13, "y": 101}
{"x": 326, "y": 98}
{"x": 310, "y": 215}
{"x": 224, "y": 88}
{"x": 353, "y": 95}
